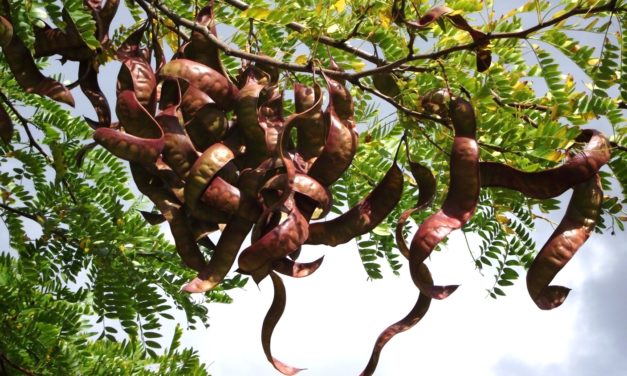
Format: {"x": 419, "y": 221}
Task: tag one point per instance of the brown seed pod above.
{"x": 68, "y": 43}
{"x": 90, "y": 87}
{"x": 134, "y": 117}
{"x": 305, "y": 186}
{"x": 178, "y": 151}
{"x": 552, "y": 182}
{"x": 221, "y": 196}
{"x": 281, "y": 240}
{"x": 202, "y": 77}
{"x": 409, "y": 321}
{"x": 294, "y": 269}
{"x": 128, "y": 147}
{"x": 23, "y": 67}
{"x": 386, "y": 84}
{"x": 204, "y": 169}
{"x": 246, "y": 106}
{"x": 310, "y": 129}
{"x": 338, "y": 151}
{"x": 436, "y": 102}
{"x": 364, "y": 216}
{"x": 269, "y": 323}
{"x": 174, "y": 213}
{"x": 462, "y": 197}
{"x": 6, "y": 126}
{"x": 574, "y": 229}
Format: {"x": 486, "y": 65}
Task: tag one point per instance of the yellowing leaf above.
{"x": 340, "y": 6}
{"x": 257, "y": 13}
{"x": 358, "y": 66}
{"x": 385, "y": 19}
{"x": 593, "y": 61}
{"x": 301, "y": 59}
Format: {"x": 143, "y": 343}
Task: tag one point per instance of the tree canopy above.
{"x": 296, "y": 123}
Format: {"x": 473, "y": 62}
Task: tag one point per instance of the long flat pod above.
{"x": 280, "y": 241}
{"x": 364, "y": 216}
{"x": 135, "y": 118}
{"x": 204, "y": 78}
{"x": 552, "y": 182}
{"x": 269, "y": 323}
{"x": 246, "y": 105}
{"x": 338, "y": 152}
{"x": 295, "y": 269}
{"x": 128, "y": 147}
{"x": 178, "y": 151}
{"x": 461, "y": 199}
{"x": 310, "y": 128}
{"x": 418, "y": 311}
{"x": 90, "y": 87}
{"x": 574, "y": 229}
{"x": 25, "y": 71}
{"x": 6, "y": 126}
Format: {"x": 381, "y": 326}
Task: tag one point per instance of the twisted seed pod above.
{"x": 294, "y": 269}
{"x": 461, "y": 200}
{"x": 574, "y": 229}
{"x": 552, "y": 182}
{"x": 310, "y": 129}
{"x": 90, "y": 87}
{"x": 269, "y": 323}
{"x": 247, "y": 103}
{"x": 364, "y": 216}
{"x": 6, "y": 126}
{"x": 24, "y": 69}
{"x": 305, "y": 186}
{"x": 202, "y": 77}
{"x": 135, "y": 118}
{"x": 204, "y": 169}
{"x": 128, "y": 147}
{"x": 178, "y": 151}
{"x": 68, "y": 43}
{"x": 174, "y": 213}
{"x": 222, "y": 196}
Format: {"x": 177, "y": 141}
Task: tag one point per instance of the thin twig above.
{"x": 19, "y": 212}
{"x": 15, "y": 366}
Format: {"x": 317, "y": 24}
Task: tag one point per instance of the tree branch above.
{"x": 15, "y": 366}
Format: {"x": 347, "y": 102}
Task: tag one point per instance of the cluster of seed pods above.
{"x": 215, "y": 153}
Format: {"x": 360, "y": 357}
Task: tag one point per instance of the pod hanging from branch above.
{"x": 574, "y": 229}
{"x": 363, "y": 217}
{"x": 461, "y": 200}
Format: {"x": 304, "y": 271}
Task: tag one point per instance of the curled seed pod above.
{"x": 436, "y": 102}
{"x": 134, "y": 117}
{"x": 221, "y": 196}
{"x": 338, "y": 152}
{"x": 6, "y": 126}
{"x": 294, "y": 269}
{"x": 431, "y": 16}
{"x": 409, "y": 321}
{"x": 364, "y": 216}
{"x": 246, "y": 105}
{"x": 207, "y": 127}
{"x": 202, "y": 77}
{"x": 193, "y": 101}
{"x": 104, "y": 17}
{"x": 90, "y": 87}
{"x": 174, "y": 213}
{"x": 303, "y": 185}
{"x": 67, "y": 43}
{"x": 341, "y": 102}
{"x": 310, "y": 129}
{"x": 223, "y": 257}
{"x": 178, "y": 151}
{"x": 137, "y": 75}
{"x": 270, "y": 118}
{"x": 269, "y": 323}
{"x": 204, "y": 169}
{"x": 462, "y": 197}
{"x": 281, "y": 240}
{"x": 426, "y": 184}
{"x": 128, "y": 147}
{"x": 552, "y": 182}
{"x": 152, "y": 218}
{"x": 199, "y": 48}
{"x": 574, "y": 229}
{"x": 23, "y": 67}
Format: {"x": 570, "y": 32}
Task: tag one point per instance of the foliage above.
{"x": 85, "y": 279}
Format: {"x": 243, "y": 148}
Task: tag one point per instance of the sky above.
{"x": 334, "y": 316}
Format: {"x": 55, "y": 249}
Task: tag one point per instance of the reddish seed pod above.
{"x": 462, "y": 197}
{"x": 295, "y": 269}
{"x": 269, "y": 323}
{"x": 202, "y": 77}
{"x": 364, "y": 216}
{"x": 574, "y": 229}
{"x": 552, "y": 182}
{"x": 178, "y": 151}
{"x": 6, "y": 126}
{"x": 128, "y": 147}
{"x": 24, "y": 69}
{"x": 310, "y": 129}
{"x": 90, "y": 87}
{"x": 134, "y": 117}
